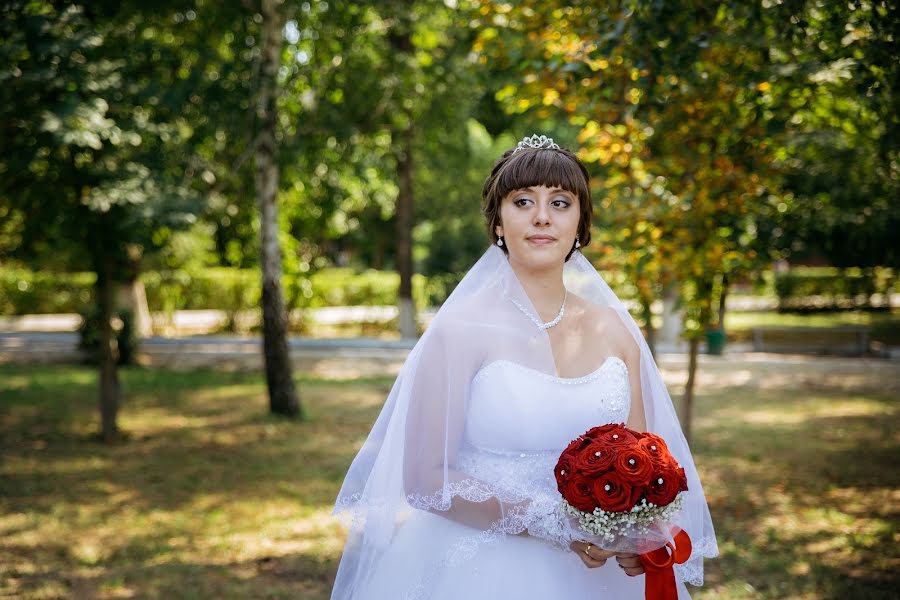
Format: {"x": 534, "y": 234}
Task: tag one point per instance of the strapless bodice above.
{"x": 517, "y": 408}
{"x": 520, "y": 419}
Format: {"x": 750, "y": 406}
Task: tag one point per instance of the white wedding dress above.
{"x": 518, "y": 422}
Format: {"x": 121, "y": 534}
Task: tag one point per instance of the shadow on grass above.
{"x": 210, "y": 497}
{"x": 802, "y": 491}
{"x": 203, "y": 472}
{"x": 289, "y": 577}
{"x": 187, "y": 434}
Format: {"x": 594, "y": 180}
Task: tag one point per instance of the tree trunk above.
{"x": 722, "y": 298}
{"x": 687, "y": 400}
{"x": 132, "y": 297}
{"x": 672, "y": 320}
{"x": 109, "y": 390}
{"x": 646, "y": 307}
{"x": 282, "y": 393}
{"x": 404, "y": 235}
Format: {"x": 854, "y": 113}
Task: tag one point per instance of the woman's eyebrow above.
{"x": 552, "y": 190}
{"x": 558, "y": 190}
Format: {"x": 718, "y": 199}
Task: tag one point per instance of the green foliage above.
{"x": 452, "y": 234}
{"x": 23, "y": 291}
{"x": 437, "y": 288}
{"x": 721, "y": 136}
{"x": 836, "y": 90}
{"x": 829, "y": 288}
{"x": 88, "y": 149}
{"x": 222, "y": 288}
{"x": 232, "y": 290}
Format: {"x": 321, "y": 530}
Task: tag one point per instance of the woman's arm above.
{"x": 610, "y": 328}
{"x": 631, "y": 354}
{"x": 434, "y": 429}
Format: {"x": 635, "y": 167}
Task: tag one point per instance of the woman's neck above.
{"x": 545, "y": 289}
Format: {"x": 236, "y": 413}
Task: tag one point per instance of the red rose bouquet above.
{"x": 624, "y": 487}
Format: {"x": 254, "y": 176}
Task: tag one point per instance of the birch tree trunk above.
{"x": 404, "y": 235}
{"x": 672, "y": 322}
{"x": 283, "y": 397}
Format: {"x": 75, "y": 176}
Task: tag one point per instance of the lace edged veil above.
{"x": 411, "y": 459}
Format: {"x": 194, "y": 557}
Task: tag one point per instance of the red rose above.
{"x": 595, "y": 432}
{"x": 616, "y": 438}
{"x": 576, "y": 445}
{"x": 613, "y": 494}
{"x": 563, "y": 470}
{"x": 655, "y": 447}
{"x": 634, "y": 465}
{"x": 578, "y": 492}
{"x": 665, "y": 485}
{"x": 682, "y": 480}
{"x": 595, "y": 459}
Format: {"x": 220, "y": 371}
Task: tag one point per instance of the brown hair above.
{"x": 533, "y": 167}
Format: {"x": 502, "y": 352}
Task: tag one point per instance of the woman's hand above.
{"x": 630, "y": 563}
{"x": 592, "y": 556}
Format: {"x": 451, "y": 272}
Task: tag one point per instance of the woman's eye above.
{"x": 559, "y": 202}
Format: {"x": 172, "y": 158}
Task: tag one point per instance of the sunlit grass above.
{"x": 209, "y": 497}
{"x": 885, "y": 326}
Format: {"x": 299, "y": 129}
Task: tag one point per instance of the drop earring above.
{"x": 500, "y": 241}
{"x": 577, "y": 243}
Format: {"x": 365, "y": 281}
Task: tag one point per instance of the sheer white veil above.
{"x": 412, "y": 459}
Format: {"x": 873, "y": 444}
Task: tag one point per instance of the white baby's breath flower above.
{"x": 637, "y": 521}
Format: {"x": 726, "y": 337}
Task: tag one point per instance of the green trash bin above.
{"x": 715, "y": 341}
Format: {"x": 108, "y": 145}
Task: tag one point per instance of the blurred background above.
{"x": 224, "y": 224}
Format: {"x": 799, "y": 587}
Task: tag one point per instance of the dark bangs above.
{"x": 528, "y": 168}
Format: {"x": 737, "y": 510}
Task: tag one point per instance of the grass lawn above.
{"x": 884, "y": 326}
{"x": 209, "y": 497}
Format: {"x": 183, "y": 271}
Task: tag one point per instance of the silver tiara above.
{"x": 537, "y": 141}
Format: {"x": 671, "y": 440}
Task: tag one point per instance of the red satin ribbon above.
{"x": 660, "y": 576}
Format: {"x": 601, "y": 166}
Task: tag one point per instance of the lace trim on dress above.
{"x": 523, "y": 483}
{"x": 540, "y": 516}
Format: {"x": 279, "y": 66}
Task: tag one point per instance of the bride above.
{"x": 453, "y": 494}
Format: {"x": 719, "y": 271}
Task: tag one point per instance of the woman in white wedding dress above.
{"x": 453, "y": 493}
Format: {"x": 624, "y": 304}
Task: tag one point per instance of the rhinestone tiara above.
{"x": 537, "y": 141}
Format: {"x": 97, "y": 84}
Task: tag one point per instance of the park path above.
{"x": 337, "y": 356}
{"x": 365, "y": 357}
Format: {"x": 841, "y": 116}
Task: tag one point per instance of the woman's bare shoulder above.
{"x": 605, "y": 321}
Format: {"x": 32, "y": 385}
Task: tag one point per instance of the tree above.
{"x": 837, "y": 96}
{"x": 282, "y": 393}
{"x": 86, "y": 157}
{"x": 666, "y": 98}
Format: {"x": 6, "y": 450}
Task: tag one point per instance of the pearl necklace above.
{"x": 548, "y": 324}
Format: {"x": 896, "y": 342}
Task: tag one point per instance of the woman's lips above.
{"x": 540, "y": 240}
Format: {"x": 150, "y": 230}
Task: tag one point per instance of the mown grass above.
{"x": 209, "y": 497}
{"x": 884, "y": 326}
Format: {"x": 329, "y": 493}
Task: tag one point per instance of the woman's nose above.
{"x": 542, "y": 214}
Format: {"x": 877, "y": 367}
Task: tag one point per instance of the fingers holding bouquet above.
{"x": 630, "y": 563}
{"x": 592, "y": 556}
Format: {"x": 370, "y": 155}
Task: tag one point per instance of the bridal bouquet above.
{"x": 624, "y": 487}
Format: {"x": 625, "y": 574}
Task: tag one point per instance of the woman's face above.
{"x": 539, "y": 225}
